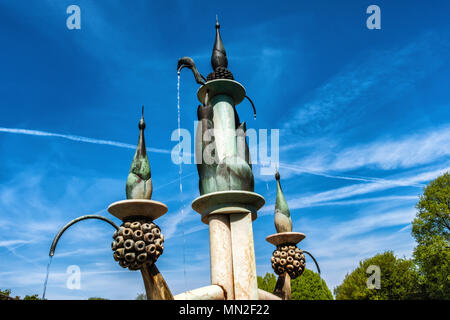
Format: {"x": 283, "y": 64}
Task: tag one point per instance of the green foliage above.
{"x": 141, "y": 296}
{"x": 399, "y": 280}
{"x": 267, "y": 283}
{"x": 433, "y": 261}
{"x": 6, "y": 295}
{"x": 308, "y": 286}
{"x": 433, "y": 214}
{"x": 97, "y": 298}
{"x": 431, "y": 230}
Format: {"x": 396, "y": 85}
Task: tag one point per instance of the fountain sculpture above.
{"x": 227, "y": 202}
{"x": 288, "y": 261}
{"x": 138, "y": 242}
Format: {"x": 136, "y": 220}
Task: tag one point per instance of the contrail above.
{"x": 79, "y": 139}
{"x": 363, "y": 179}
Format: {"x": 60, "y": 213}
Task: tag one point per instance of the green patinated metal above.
{"x": 223, "y": 158}
{"x": 283, "y": 221}
{"x": 139, "y": 182}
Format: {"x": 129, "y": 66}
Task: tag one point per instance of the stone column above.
{"x": 221, "y": 253}
{"x": 244, "y": 265}
{"x": 230, "y": 215}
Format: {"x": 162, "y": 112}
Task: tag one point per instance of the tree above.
{"x": 5, "y": 295}
{"x": 267, "y": 283}
{"x": 431, "y": 229}
{"x": 97, "y": 298}
{"x": 398, "y": 280}
{"x": 308, "y": 286}
{"x": 141, "y": 296}
{"x": 433, "y": 216}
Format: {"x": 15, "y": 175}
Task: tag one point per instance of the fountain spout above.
{"x": 60, "y": 233}
{"x": 189, "y": 63}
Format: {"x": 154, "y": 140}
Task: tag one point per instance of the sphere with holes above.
{"x": 288, "y": 258}
{"x": 137, "y": 242}
{"x": 220, "y": 73}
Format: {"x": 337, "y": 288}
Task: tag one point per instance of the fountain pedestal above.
{"x": 155, "y": 286}
{"x": 229, "y": 215}
{"x": 283, "y": 285}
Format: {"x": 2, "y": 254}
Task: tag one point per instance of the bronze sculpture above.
{"x": 139, "y": 182}
{"x": 222, "y": 152}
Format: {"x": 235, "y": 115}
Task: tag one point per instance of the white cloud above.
{"x": 405, "y": 152}
{"x": 346, "y": 95}
{"x": 325, "y": 197}
{"x": 78, "y": 139}
{"x": 11, "y": 243}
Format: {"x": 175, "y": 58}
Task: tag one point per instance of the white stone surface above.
{"x": 264, "y": 295}
{"x": 220, "y": 253}
{"x": 244, "y": 265}
{"x": 212, "y": 292}
{"x": 285, "y": 237}
{"x": 137, "y": 207}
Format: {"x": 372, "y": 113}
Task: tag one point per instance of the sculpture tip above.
{"x": 142, "y": 122}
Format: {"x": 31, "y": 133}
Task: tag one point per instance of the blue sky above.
{"x": 363, "y": 118}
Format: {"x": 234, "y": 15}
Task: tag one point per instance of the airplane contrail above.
{"x": 79, "y": 139}
{"x": 299, "y": 169}
{"x": 164, "y": 151}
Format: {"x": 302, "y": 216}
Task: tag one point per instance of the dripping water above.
{"x": 46, "y": 277}
{"x": 180, "y": 172}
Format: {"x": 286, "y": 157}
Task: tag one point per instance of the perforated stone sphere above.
{"x": 138, "y": 241}
{"x": 288, "y": 258}
{"x": 220, "y": 73}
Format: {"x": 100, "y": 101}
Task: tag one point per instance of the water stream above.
{"x": 180, "y": 172}
{"x": 46, "y": 276}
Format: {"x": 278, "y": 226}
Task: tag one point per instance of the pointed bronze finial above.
{"x": 219, "y": 55}
{"x": 139, "y": 182}
{"x": 141, "y": 143}
{"x": 283, "y": 221}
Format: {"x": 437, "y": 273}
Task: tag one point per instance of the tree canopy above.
{"x": 433, "y": 216}
{"x": 431, "y": 229}
{"x": 308, "y": 286}
{"x": 6, "y": 295}
{"x": 398, "y": 280}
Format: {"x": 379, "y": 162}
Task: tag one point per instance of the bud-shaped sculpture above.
{"x": 139, "y": 182}
{"x": 283, "y": 221}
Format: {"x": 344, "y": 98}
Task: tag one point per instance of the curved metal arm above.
{"x": 253, "y": 106}
{"x": 317, "y": 265}
{"x": 60, "y": 233}
{"x": 189, "y": 63}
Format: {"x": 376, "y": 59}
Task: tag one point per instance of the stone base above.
{"x": 228, "y": 202}
{"x": 137, "y": 207}
{"x": 285, "y": 238}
